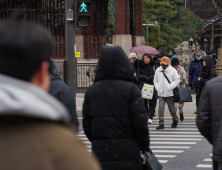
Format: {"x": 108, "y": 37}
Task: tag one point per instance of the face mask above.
{"x": 198, "y": 57}
{"x": 164, "y": 67}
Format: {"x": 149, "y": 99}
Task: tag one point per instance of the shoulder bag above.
{"x": 185, "y": 94}
{"x": 176, "y": 94}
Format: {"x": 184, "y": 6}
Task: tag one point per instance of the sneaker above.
{"x": 174, "y": 124}
{"x": 181, "y": 116}
{"x": 150, "y": 121}
{"x": 160, "y": 127}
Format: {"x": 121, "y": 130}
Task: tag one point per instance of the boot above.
{"x": 160, "y": 127}
{"x": 174, "y": 124}
{"x": 181, "y": 116}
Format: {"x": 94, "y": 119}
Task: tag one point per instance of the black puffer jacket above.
{"x": 207, "y": 72}
{"x": 114, "y": 115}
{"x": 145, "y": 73}
{"x": 209, "y": 112}
{"x": 61, "y": 91}
{"x": 135, "y": 65}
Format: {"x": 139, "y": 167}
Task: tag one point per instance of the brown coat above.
{"x": 37, "y": 144}
{"x": 184, "y": 76}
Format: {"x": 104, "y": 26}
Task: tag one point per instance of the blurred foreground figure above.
{"x": 34, "y": 131}
{"x": 209, "y": 116}
{"x": 114, "y": 115}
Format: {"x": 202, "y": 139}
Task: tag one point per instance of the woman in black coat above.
{"x": 208, "y": 72}
{"x": 114, "y": 116}
{"x": 145, "y": 74}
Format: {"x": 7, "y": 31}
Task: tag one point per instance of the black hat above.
{"x": 175, "y": 62}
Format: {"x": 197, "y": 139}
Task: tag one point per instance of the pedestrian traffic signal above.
{"x": 83, "y": 13}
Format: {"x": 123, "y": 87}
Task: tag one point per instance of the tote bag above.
{"x": 185, "y": 94}
{"x": 147, "y": 91}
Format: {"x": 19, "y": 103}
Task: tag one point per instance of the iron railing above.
{"x": 86, "y": 74}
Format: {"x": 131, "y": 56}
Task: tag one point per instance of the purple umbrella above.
{"x": 143, "y": 49}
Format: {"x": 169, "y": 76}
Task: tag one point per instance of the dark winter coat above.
{"x": 156, "y": 62}
{"x": 195, "y": 70}
{"x": 207, "y": 72}
{"x": 135, "y": 65}
{"x": 114, "y": 115}
{"x": 214, "y": 55}
{"x": 61, "y": 91}
{"x": 209, "y": 112}
{"x": 145, "y": 73}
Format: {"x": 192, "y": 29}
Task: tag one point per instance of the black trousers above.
{"x": 216, "y": 165}
{"x": 152, "y": 105}
{"x": 198, "y": 94}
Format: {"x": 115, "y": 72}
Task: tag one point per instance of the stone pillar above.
{"x": 137, "y": 19}
{"x": 124, "y": 41}
{"x": 119, "y": 17}
{"x": 140, "y": 8}
{"x": 80, "y": 46}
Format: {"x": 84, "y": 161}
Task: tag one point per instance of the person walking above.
{"x": 208, "y": 72}
{"x": 135, "y": 62}
{"x": 61, "y": 91}
{"x": 165, "y": 90}
{"x": 34, "y": 126}
{"x": 156, "y": 60}
{"x": 145, "y": 74}
{"x": 194, "y": 73}
{"x": 175, "y": 63}
{"x": 209, "y": 115}
{"x": 213, "y": 53}
{"x": 114, "y": 115}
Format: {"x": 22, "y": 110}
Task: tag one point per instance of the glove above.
{"x": 190, "y": 85}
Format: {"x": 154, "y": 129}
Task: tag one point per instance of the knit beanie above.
{"x": 133, "y": 55}
{"x": 175, "y": 62}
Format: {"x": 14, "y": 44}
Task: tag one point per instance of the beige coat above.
{"x": 184, "y": 76}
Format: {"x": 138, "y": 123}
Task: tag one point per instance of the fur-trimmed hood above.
{"x": 193, "y": 58}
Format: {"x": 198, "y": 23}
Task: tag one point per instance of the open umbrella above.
{"x": 143, "y": 49}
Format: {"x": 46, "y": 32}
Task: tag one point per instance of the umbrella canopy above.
{"x": 143, "y": 49}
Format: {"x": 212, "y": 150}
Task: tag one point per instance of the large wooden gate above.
{"x": 49, "y": 13}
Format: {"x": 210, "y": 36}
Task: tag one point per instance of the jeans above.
{"x": 179, "y": 106}
{"x": 171, "y": 105}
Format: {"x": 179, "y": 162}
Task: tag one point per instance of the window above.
{"x": 198, "y": 5}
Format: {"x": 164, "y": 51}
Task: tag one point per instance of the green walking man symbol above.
{"x": 83, "y": 7}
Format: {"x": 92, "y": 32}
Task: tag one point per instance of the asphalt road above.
{"x": 183, "y": 148}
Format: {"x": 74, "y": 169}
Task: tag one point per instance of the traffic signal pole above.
{"x": 71, "y": 76}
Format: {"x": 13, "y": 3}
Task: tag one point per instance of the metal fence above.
{"x": 86, "y": 74}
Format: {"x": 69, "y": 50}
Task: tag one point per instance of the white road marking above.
{"x": 179, "y": 136}
{"x": 170, "y": 147}
{"x": 163, "y": 161}
{"x": 204, "y": 166}
{"x": 167, "y": 129}
{"x": 208, "y": 159}
{"x": 174, "y": 139}
{"x": 167, "y": 151}
{"x": 165, "y": 156}
{"x": 184, "y": 143}
{"x": 165, "y": 132}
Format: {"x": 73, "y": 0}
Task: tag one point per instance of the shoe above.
{"x": 195, "y": 112}
{"x": 160, "y": 127}
{"x": 150, "y": 121}
{"x": 181, "y": 116}
{"x": 174, "y": 124}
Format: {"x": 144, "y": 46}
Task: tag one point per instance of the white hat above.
{"x": 133, "y": 55}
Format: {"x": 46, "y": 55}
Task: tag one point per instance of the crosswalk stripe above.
{"x": 165, "y": 132}
{"x": 175, "y": 129}
{"x": 163, "y": 161}
{"x": 167, "y": 151}
{"x": 170, "y": 147}
{"x": 174, "y": 139}
{"x": 185, "y": 143}
{"x": 178, "y": 136}
{"x": 165, "y": 156}
{"x": 188, "y": 126}
{"x": 204, "y": 166}
{"x": 208, "y": 159}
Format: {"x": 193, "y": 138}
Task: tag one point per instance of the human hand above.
{"x": 199, "y": 78}
{"x": 181, "y": 76}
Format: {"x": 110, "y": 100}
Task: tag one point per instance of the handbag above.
{"x": 150, "y": 162}
{"x": 185, "y": 94}
{"x": 147, "y": 91}
{"x": 176, "y": 94}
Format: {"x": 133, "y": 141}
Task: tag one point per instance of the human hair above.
{"x": 148, "y": 55}
{"x": 24, "y": 47}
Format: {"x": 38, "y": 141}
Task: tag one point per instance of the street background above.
{"x": 183, "y": 148}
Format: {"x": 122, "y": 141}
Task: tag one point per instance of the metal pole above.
{"x": 212, "y": 34}
{"x": 147, "y": 31}
{"x": 70, "y": 48}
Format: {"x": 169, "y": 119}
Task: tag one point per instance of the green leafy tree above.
{"x": 177, "y": 23}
